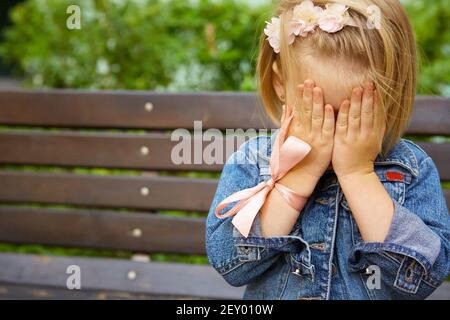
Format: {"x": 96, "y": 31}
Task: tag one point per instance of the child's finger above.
{"x": 378, "y": 114}
{"x": 307, "y": 105}
{"x": 328, "y": 123}
{"x": 317, "y": 111}
{"x": 367, "y": 109}
{"x": 298, "y": 105}
{"x": 354, "y": 115}
{"x": 342, "y": 119}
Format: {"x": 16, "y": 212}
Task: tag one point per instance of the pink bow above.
{"x": 291, "y": 151}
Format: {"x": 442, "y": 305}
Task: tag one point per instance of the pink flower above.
{"x": 304, "y": 18}
{"x": 334, "y": 18}
{"x": 330, "y": 25}
{"x": 273, "y": 33}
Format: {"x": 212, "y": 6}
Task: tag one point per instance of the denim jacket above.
{"x": 324, "y": 256}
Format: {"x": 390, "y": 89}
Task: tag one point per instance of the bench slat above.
{"x": 121, "y": 109}
{"x": 440, "y": 153}
{"x": 23, "y": 292}
{"x": 160, "y": 279}
{"x": 139, "y": 232}
{"x": 165, "y": 193}
{"x": 49, "y": 293}
{"x": 124, "y": 151}
{"x": 431, "y": 116}
{"x": 41, "y": 277}
{"x": 103, "y": 150}
{"x": 441, "y": 293}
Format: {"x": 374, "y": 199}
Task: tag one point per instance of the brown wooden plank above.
{"x": 169, "y": 193}
{"x": 130, "y": 151}
{"x": 141, "y": 232}
{"x": 163, "y": 279}
{"x": 440, "y": 153}
{"x": 46, "y": 289}
{"x": 441, "y": 293}
{"x": 431, "y": 116}
{"x": 21, "y": 292}
{"x": 15, "y": 292}
{"x": 126, "y": 109}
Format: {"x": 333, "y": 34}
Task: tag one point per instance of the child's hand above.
{"x": 314, "y": 124}
{"x": 360, "y": 129}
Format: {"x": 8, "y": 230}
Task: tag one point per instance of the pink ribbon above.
{"x": 290, "y": 151}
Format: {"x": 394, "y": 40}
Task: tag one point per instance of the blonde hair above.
{"x": 388, "y": 54}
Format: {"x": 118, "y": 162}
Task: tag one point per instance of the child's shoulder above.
{"x": 411, "y": 155}
{"x": 419, "y": 154}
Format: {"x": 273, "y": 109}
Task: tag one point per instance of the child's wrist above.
{"x": 300, "y": 182}
{"x": 363, "y": 171}
{"x": 292, "y": 198}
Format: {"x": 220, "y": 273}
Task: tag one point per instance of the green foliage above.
{"x": 175, "y": 44}
{"x": 63, "y": 251}
{"x": 86, "y": 252}
{"x": 431, "y": 20}
{"x": 135, "y": 44}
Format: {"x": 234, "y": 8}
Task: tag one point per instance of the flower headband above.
{"x": 306, "y": 17}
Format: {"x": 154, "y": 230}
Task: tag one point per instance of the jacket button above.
{"x": 297, "y": 271}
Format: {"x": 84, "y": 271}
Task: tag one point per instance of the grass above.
{"x": 74, "y": 170}
{"x": 98, "y": 253}
{"x": 63, "y": 251}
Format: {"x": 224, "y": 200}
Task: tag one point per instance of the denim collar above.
{"x": 400, "y": 154}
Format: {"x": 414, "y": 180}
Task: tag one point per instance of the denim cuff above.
{"x": 409, "y": 231}
{"x": 408, "y": 236}
{"x": 290, "y": 243}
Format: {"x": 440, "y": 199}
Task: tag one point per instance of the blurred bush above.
{"x": 136, "y": 44}
{"x": 431, "y": 20}
{"x": 174, "y": 44}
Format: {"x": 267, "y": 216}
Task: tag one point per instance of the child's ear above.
{"x": 277, "y": 82}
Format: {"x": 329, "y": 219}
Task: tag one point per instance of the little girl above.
{"x": 335, "y": 204}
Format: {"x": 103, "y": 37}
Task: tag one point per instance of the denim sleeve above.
{"x": 238, "y": 259}
{"x": 414, "y": 259}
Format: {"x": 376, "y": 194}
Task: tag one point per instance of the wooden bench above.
{"x": 125, "y": 130}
